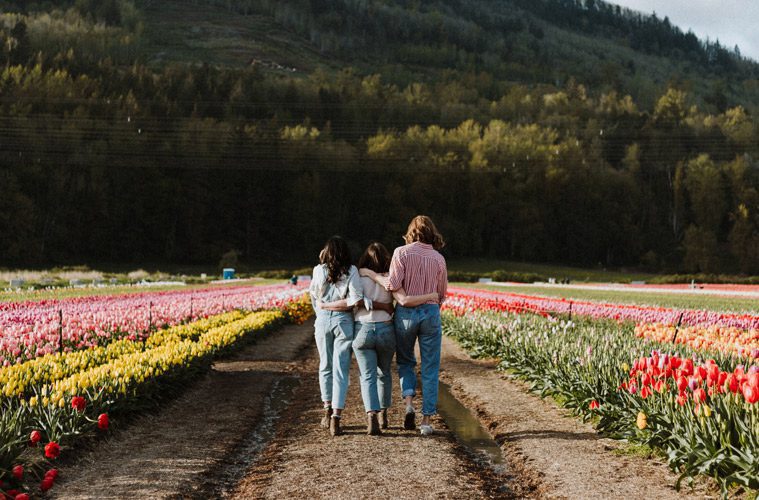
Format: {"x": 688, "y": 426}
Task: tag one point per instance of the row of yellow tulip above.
{"x": 125, "y": 375}
{"x": 18, "y": 380}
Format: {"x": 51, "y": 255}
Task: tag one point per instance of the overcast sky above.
{"x": 733, "y": 22}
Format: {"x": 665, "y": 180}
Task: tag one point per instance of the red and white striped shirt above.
{"x": 419, "y": 269}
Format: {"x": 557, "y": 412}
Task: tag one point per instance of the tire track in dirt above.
{"x": 178, "y": 451}
{"x": 304, "y": 461}
{"x": 555, "y": 454}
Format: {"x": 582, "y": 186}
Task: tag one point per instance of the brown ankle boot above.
{"x": 372, "y": 425}
{"x": 334, "y": 426}
{"x": 325, "y": 417}
{"x": 383, "y": 419}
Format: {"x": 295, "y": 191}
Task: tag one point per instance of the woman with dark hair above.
{"x": 374, "y": 342}
{"x": 418, "y": 268}
{"x": 335, "y": 279}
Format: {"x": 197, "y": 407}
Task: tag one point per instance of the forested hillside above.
{"x": 554, "y": 131}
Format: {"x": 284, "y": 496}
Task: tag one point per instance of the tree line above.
{"x": 102, "y": 161}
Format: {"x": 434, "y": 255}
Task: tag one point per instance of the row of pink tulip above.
{"x": 468, "y": 298}
{"x": 31, "y": 329}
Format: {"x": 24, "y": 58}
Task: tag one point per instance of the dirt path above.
{"x": 554, "y": 454}
{"x": 304, "y": 461}
{"x": 180, "y": 451}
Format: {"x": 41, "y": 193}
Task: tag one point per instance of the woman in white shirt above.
{"x": 374, "y": 340}
{"x": 335, "y": 279}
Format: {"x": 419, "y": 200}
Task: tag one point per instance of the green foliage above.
{"x": 109, "y": 158}
{"x": 588, "y": 360}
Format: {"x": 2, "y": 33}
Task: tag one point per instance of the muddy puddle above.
{"x": 468, "y": 431}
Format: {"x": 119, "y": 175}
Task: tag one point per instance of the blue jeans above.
{"x": 374, "y": 347}
{"x": 334, "y": 335}
{"x": 423, "y": 323}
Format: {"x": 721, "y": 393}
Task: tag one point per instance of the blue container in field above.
{"x": 228, "y": 273}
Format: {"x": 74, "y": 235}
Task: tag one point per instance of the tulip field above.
{"x": 682, "y": 381}
{"x": 34, "y": 328}
{"x": 119, "y": 353}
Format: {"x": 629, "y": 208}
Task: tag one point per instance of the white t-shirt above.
{"x": 376, "y": 293}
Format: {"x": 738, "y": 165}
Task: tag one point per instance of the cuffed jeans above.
{"x": 423, "y": 323}
{"x": 334, "y": 335}
{"x": 374, "y": 347}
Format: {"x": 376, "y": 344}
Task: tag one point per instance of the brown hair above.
{"x": 423, "y": 230}
{"x": 337, "y": 256}
{"x": 375, "y": 257}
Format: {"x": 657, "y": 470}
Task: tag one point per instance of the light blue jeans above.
{"x": 334, "y": 335}
{"x": 374, "y": 347}
{"x": 423, "y": 323}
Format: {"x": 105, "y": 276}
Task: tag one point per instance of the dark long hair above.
{"x": 375, "y": 257}
{"x": 337, "y": 256}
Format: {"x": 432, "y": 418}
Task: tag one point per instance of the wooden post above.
{"x": 191, "y": 297}
{"x": 570, "y": 310}
{"x": 60, "y": 330}
{"x": 150, "y": 316}
{"x": 677, "y": 327}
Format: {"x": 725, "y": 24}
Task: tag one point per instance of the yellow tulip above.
{"x": 642, "y": 421}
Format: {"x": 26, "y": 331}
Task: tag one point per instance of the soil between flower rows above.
{"x": 175, "y": 452}
{"x": 198, "y": 445}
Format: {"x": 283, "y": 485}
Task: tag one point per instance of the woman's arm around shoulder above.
{"x": 381, "y": 279}
{"x": 414, "y": 300}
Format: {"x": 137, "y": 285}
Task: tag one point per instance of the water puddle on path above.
{"x": 277, "y": 402}
{"x": 468, "y": 430}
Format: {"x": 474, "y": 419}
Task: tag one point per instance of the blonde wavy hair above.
{"x": 423, "y": 230}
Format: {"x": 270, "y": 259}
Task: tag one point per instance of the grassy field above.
{"x": 684, "y": 301}
{"x": 549, "y": 271}
{"x": 69, "y": 292}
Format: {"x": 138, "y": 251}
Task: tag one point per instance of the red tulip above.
{"x": 103, "y": 421}
{"x": 53, "y": 473}
{"x": 681, "y": 399}
{"x": 21, "y": 496}
{"x": 18, "y": 472}
{"x": 645, "y": 392}
{"x": 750, "y": 393}
{"x": 688, "y": 367}
{"x": 593, "y": 405}
{"x": 732, "y": 383}
{"x": 35, "y": 437}
{"x": 46, "y": 483}
{"x": 699, "y": 395}
{"x": 753, "y": 380}
{"x": 682, "y": 383}
{"x": 52, "y": 450}
{"x": 78, "y": 403}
